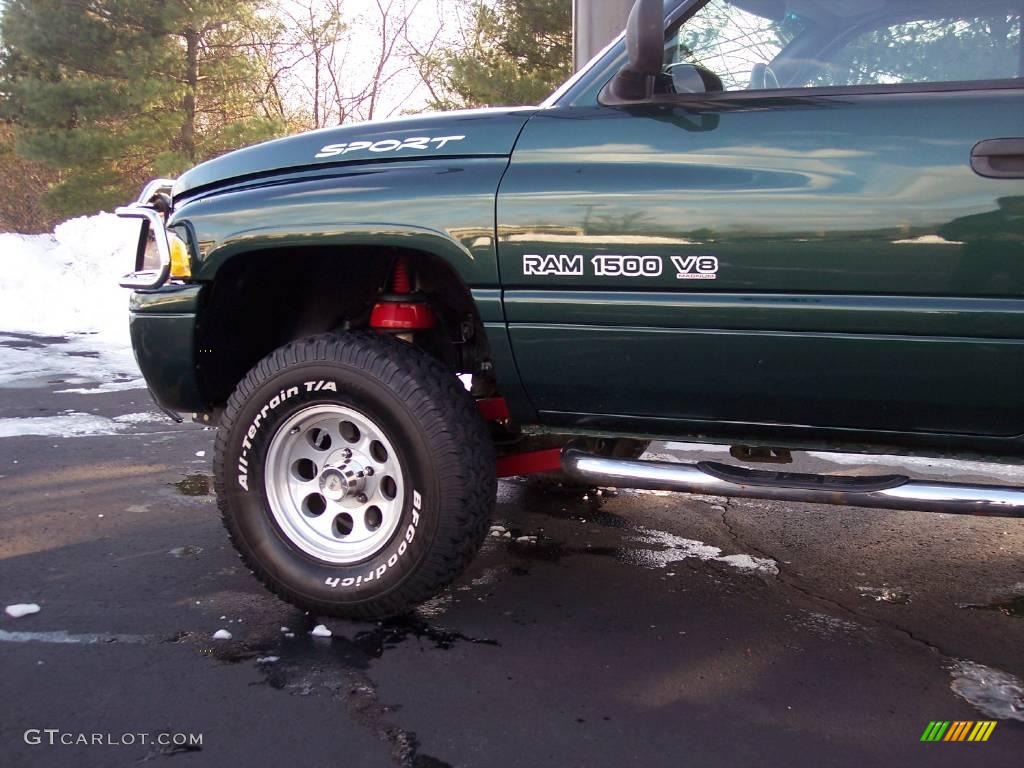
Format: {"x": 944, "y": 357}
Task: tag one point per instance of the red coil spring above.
{"x": 401, "y": 282}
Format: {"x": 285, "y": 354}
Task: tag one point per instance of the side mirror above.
{"x": 645, "y": 44}
{"x": 693, "y": 78}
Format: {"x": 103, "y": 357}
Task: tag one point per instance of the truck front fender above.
{"x": 442, "y": 207}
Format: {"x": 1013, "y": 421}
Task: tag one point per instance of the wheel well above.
{"x": 264, "y": 299}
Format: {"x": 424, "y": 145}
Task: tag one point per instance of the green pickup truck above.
{"x": 776, "y": 224}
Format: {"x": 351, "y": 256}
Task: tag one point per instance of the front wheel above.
{"x": 354, "y": 475}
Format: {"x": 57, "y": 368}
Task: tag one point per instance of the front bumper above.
{"x": 163, "y": 331}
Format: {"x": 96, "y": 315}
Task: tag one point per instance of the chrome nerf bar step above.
{"x": 881, "y": 492}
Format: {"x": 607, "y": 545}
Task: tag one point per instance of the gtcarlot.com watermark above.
{"x": 56, "y": 737}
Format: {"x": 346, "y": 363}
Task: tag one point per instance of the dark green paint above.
{"x": 488, "y": 304}
{"x": 870, "y": 288}
{"x": 869, "y": 200}
{"x": 896, "y": 383}
{"x": 511, "y": 387}
{"x": 171, "y": 299}
{"x": 914, "y": 315}
{"x": 166, "y": 352}
{"x": 485, "y": 132}
{"x": 444, "y": 207}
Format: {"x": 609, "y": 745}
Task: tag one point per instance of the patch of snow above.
{"x": 487, "y": 578}
{"x": 221, "y": 634}
{"x": 320, "y": 631}
{"x": 435, "y": 606}
{"x": 646, "y": 492}
{"x": 139, "y": 418}
{"x": 189, "y": 550}
{"x": 826, "y": 626}
{"x": 705, "y": 447}
{"x": 65, "y": 285}
{"x": 996, "y": 694}
{"x": 762, "y": 565}
{"x": 29, "y": 361}
{"x": 285, "y": 629}
{"x": 18, "y": 610}
{"x": 64, "y": 637}
{"x": 267, "y": 659}
{"x": 676, "y": 548}
{"x": 885, "y": 594}
{"x": 200, "y": 454}
{"x": 110, "y": 386}
{"x": 65, "y": 425}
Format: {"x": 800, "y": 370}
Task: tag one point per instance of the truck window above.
{"x": 759, "y": 44}
{"x": 927, "y": 51}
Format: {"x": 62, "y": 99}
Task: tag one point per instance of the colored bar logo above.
{"x": 958, "y": 730}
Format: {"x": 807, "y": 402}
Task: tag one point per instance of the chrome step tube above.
{"x": 906, "y": 494}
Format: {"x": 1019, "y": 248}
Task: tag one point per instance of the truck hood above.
{"x": 479, "y": 132}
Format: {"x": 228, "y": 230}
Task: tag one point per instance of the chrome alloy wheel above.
{"x": 334, "y": 483}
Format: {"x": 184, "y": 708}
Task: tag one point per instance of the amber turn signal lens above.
{"x": 181, "y": 265}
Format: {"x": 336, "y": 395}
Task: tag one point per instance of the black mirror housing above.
{"x": 693, "y": 78}
{"x": 645, "y": 45}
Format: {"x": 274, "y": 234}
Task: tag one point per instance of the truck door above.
{"x": 832, "y": 235}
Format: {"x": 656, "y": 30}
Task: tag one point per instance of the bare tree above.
{"x": 325, "y": 64}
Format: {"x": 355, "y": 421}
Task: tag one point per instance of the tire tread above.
{"x": 448, "y": 417}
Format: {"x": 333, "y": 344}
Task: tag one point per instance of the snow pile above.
{"x": 320, "y": 631}
{"x": 221, "y": 634}
{"x": 65, "y": 285}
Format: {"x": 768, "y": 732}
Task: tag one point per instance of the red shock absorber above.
{"x": 401, "y": 310}
{"x": 401, "y": 283}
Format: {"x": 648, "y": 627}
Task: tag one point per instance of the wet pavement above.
{"x": 599, "y": 630}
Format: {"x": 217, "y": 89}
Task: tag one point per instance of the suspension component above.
{"x": 401, "y": 310}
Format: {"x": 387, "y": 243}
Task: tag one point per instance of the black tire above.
{"x": 442, "y": 446}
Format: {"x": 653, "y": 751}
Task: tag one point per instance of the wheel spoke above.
{"x": 303, "y": 450}
{"x": 300, "y": 489}
{"x": 359, "y": 529}
{"x": 324, "y": 524}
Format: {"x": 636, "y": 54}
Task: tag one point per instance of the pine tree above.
{"x": 24, "y": 183}
{"x": 112, "y": 92}
{"x": 518, "y": 52}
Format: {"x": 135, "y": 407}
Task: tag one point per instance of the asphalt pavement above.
{"x": 637, "y": 629}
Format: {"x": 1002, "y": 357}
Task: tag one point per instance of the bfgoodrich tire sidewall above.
{"x": 248, "y": 440}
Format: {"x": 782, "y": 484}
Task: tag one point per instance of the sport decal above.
{"x": 421, "y": 143}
